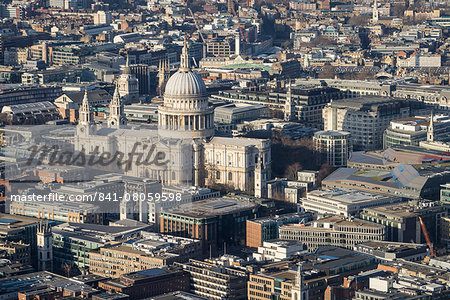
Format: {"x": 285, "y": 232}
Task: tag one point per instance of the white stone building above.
{"x": 185, "y": 139}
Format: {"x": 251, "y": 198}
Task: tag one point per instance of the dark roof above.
{"x": 94, "y": 95}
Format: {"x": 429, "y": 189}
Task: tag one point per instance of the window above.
{"x": 230, "y": 176}
{"x": 217, "y": 175}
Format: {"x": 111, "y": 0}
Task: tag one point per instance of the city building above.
{"x": 389, "y": 251}
{"x": 402, "y": 220}
{"x": 412, "y": 131}
{"x": 366, "y": 118}
{"x": 19, "y": 229}
{"x": 343, "y": 202}
{"x": 72, "y": 244}
{"x": 264, "y": 229}
{"x": 214, "y": 221}
{"x": 214, "y": 281}
{"x": 333, "y": 147}
{"x": 333, "y": 231}
{"x": 148, "y": 283}
{"x": 152, "y": 250}
{"x": 237, "y": 113}
{"x": 18, "y": 94}
{"x": 445, "y": 195}
{"x": 307, "y": 102}
{"x": 418, "y": 181}
{"x": 31, "y": 113}
{"x": 277, "y": 250}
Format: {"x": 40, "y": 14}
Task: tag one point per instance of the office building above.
{"x": 31, "y": 113}
{"x": 402, "y": 220}
{"x": 151, "y": 251}
{"x": 277, "y": 250}
{"x": 72, "y": 244}
{"x": 343, "y": 202}
{"x": 214, "y": 281}
{"x": 445, "y": 195}
{"x": 264, "y": 229}
{"x": 20, "y": 229}
{"x": 366, "y": 118}
{"x": 102, "y": 17}
{"x": 333, "y": 147}
{"x": 389, "y": 251}
{"x": 412, "y": 131}
{"x": 148, "y": 283}
{"x": 238, "y": 113}
{"x": 18, "y": 94}
{"x": 214, "y": 221}
{"x": 306, "y": 102}
{"x": 333, "y": 231}
{"x": 418, "y": 181}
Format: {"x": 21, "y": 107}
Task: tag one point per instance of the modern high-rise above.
{"x": 333, "y": 147}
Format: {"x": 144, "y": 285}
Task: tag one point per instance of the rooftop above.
{"x": 348, "y": 196}
{"x": 211, "y": 207}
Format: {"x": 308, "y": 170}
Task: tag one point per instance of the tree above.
{"x": 67, "y": 268}
{"x": 324, "y": 171}
{"x": 292, "y": 170}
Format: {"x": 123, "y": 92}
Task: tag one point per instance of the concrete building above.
{"x": 366, "y": 118}
{"x": 389, "y": 251}
{"x": 414, "y": 181}
{"x": 237, "y": 113}
{"x": 333, "y": 231}
{"x": 277, "y": 250}
{"x": 333, "y": 147}
{"x": 412, "y": 131}
{"x": 102, "y": 17}
{"x": 31, "y": 113}
{"x": 402, "y": 221}
{"x": 264, "y": 229}
{"x": 151, "y": 251}
{"x": 308, "y": 102}
{"x": 343, "y": 202}
{"x": 18, "y": 94}
{"x": 72, "y": 244}
{"x": 214, "y": 281}
{"x": 148, "y": 283}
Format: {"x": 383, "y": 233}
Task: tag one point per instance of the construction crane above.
{"x": 199, "y": 32}
{"x": 243, "y": 37}
{"x": 427, "y": 238}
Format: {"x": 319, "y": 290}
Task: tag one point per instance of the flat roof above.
{"x": 348, "y": 196}
{"x": 211, "y": 207}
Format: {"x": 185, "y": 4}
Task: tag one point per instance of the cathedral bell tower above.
{"x": 86, "y": 124}
{"x": 163, "y": 76}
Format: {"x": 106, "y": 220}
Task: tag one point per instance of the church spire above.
{"x": 116, "y": 117}
{"x": 184, "y": 58}
{"x": 430, "y": 130}
{"x": 86, "y": 114}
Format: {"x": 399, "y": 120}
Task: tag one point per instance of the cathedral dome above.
{"x": 185, "y": 84}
